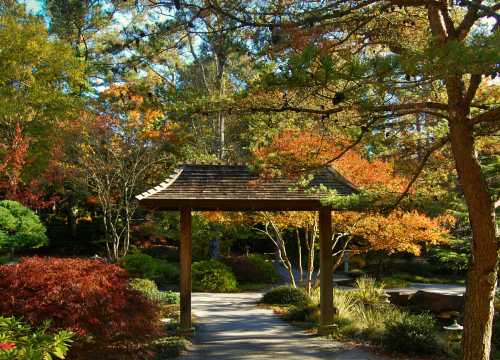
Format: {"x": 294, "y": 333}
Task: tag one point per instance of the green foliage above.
{"x": 362, "y": 313}
{"x": 169, "y": 347}
{"x": 414, "y": 334}
{"x": 20, "y": 228}
{"x": 143, "y": 285}
{"x": 150, "y": 290}
{"x": 286, "y": 295}
{"x": 19, "y": 341}
{"x": 40, "y": 85}
{"x": 212, "y": 275}
{"x": 144, "y": 266}
{"x": 451, "y": 258}
{"x": 309, "y": 313}
{"x": 253, "y": 269}
{"x": 367, "y": 292}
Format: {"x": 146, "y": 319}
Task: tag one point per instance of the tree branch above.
{"x": 488, "y": 116}
{"x": 420, "y": 167}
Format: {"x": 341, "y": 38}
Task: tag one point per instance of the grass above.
{"x": 363, "y": 315}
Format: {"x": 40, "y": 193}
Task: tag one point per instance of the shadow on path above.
{"x": 231, "y": 326}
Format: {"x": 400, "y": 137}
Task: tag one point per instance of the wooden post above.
{"x": 326, "y": 267}
{"x": 185, "y": 268}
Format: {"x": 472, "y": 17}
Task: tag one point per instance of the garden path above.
{"x": 232, "y": 326}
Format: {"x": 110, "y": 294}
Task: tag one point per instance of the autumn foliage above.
{"x": 295, "y": 152}
{"x": 89, "y": 297}
{"x": 398, "y": 231}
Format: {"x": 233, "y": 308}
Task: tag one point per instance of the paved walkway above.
{"x": 231, "y": 326}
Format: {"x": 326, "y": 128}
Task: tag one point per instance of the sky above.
{"x": 33, "y": 5}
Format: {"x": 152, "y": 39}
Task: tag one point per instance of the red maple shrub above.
{"x": 89, "y": 297}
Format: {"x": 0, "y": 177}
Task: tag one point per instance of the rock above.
{"x": 437, "y": 302}
{"x": 400, "y": 298}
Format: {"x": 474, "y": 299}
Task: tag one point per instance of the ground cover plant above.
{"x": 151, "y": 291}
{"x": 20, "y": 341}
{"x": 363, "y": 314}
{"x": 213, "y": 275}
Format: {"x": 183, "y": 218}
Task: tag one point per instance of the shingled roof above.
{"x": 236, "y": 187}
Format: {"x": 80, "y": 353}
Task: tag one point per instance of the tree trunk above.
{"x": 482, "y": 274}
{"x": 299, "y": 250}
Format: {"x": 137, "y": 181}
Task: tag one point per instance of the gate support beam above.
{"x": 185, "y": 271}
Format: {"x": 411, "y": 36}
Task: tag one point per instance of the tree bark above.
{"x": 482, "y": 274}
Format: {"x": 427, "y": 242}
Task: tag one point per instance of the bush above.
{"x": 252, "y": 269}
{"x": 150, "y": 290}
{"x": 286, "y": 295}
{"x": 360, "y": 314}
{"x": 367, "y": 292}
{"x": 89, "y": 297}
{"x": 306, "y": 313}
{"x": 144, "y": 266}
{"x": 20, "y": 228}
{"x": 212, "y": 275}
{"x": 19, "y": 341}
{"x": 166, "y": 253}
{"x": 169, "y": 347}
{"x": 414, "y": 334}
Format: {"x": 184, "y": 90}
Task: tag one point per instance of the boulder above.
{"x": 437, "y": 302}
{"x": 400, "y": 298}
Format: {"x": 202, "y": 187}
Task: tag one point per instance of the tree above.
{"x": 38, "y": 78}
{"x": 360, "y": 57}
{"x": 293, "y": 152}
{"x": 119, "y": 152}
{"x": 20, "y": 228}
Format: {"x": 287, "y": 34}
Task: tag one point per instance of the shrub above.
{"x": 415, "y": 334}
{"x": 212, "y": 275}
{"x": 89, "y": 297}
{"x": 169, "y": 347}
{"x": 144, "y": 266}
{"x": 20, "y": 227}
{"x": 19, "y": 341}
{"x": 367, "y": 292}
{"x": 143, "y": 285}
{"x": 356, "y": 317}
{"x": 307, "y": 313}
{"x": 252, "y": 269}
{"x": 150, "y": 290}
{"x": 286, "y": 295}
{"x": 167, "y": 253}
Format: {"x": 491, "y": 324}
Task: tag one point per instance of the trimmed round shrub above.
{"x": 88, "y": 297}
{"x": 20, "y": 227}
{"x": 413, "y": 334}
{"x": 144, "y": 266}
{"x": 214, "y": 276}
{"x": 286, "y": 295}
{"x": 252, "y": 269}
